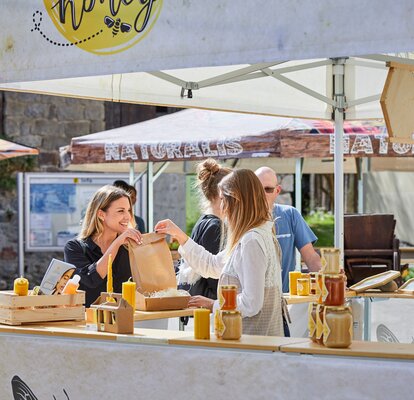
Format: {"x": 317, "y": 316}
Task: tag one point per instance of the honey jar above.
{"x": 293, "y": 279}
{"x": 303, "y": 286}
{"x": 228, "y": 325}
{"x": 335, "y": 289}
{"x": 337, "y": 327}
{"x": 228, "y": 297}
{"x": 312, "y": 321}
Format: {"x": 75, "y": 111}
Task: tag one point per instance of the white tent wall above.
{"x": 392, "y": 193}
{"x": 183, "y": 34}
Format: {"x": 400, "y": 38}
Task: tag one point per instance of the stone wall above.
{"x": 48, "y": 122}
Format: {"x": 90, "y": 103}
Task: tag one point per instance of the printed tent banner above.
{"x": 54, "y": 39}
{"x": 193, "y": 135}
{"x": 11, "y": 150}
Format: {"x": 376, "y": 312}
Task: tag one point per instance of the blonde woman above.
{"x": 105, "y": 229}
{"x": 251, "y": 259}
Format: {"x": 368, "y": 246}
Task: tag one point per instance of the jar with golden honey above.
{"x": 228, "y": 297}
{"x": 303, "y": 286}
{"x": 228, "y": 325}
{"x": 337, "y": 327}
{"x": 335, "y": 285}
{"x": 320, "y": 288}
{"x": 312, "y": 321}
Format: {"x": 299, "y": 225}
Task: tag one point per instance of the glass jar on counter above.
{"x": 335, "y": 285}
{"x": 320, "y": 293}
{"x": 228, "y": 297}
{"x": 337, "y": 327}
{"x": 312, "y": 321}
{"x": 228, "y": 325}
{"x": 303, "y": 286}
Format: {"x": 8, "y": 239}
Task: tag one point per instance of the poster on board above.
{"x": 56, "y": 204}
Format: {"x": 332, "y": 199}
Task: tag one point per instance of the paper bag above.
{"x": 151, "y": 264}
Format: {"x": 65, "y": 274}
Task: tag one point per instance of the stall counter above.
{"x": 68, "y": 361}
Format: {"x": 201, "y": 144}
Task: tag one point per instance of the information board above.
{"x": 55, "y": 204}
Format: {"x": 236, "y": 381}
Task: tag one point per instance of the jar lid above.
{"x": 226, "y": 312}
{"x": 303, "y": 279}
{"x": 228, "y": 286}
{"x": 337, "y": 308}
{"x": 334, "y": 275}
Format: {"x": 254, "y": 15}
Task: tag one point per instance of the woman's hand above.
{"x": 201, "y": 301}
{"x": 129, "y": 234}
{"x": 168, "y": 227}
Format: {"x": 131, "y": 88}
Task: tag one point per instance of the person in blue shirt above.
{"x": 292, "y": 231}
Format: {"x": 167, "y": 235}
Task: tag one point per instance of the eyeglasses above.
{"x": 269, "y": 189}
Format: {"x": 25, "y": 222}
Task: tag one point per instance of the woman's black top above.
{"x": 84, "y": 254}
{"x": 207, "y": 233}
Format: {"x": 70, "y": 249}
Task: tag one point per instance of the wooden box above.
{"x": 17, "y": 310}
{"x": 116, "y": 317}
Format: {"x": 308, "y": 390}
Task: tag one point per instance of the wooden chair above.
{"x": 370, "y": 245}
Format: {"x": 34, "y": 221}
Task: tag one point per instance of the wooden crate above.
{"x": 17, "y": 310}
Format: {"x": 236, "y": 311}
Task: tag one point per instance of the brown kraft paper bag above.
{"x": 151, "y": 264}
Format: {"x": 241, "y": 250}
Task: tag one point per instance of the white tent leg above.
{"x": 339, "y": 71}
{"x": 298, "y": 199}
{"x": 150, "y": 196}
{"x": 360, "y": 170}
{"x": 20, "y": 194}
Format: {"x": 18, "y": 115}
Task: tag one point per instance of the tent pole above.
{"x": 361, "y": 163}
{"x": 131, "y": 174}
{"x": 150, "y": 196}
{"x": 338, "y": 75}
{"x": 20, "y": 195}
{"x": 298, "y": 199}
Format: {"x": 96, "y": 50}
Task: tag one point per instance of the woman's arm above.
{"x": 198, "y": 258}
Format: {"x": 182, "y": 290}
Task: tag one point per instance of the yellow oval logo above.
{"x": 100, "y": 26}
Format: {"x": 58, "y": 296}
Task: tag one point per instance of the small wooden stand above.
{"x": 116, "y": 317}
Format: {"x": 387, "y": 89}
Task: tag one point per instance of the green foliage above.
{"x": 322, "y": 224}
{"x": 192, "y": 209}
{"x": 8, "y": 168}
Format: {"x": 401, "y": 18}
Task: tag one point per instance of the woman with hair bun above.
{"x": 251, "y": 259}
{"x": 207, "y": 230}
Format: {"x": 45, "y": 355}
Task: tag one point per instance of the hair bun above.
{"x": 207, "y": 168}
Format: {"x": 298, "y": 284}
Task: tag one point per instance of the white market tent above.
{"x": 231, "y": 56}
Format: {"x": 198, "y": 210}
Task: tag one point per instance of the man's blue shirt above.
{"x": 291, "y": 231}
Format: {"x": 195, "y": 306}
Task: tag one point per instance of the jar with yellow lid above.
{"x": 227, "y": 297}
{"x": 330, "y": 259}
{"x": 228, "y": 325}
{"x": 337, "y": 326}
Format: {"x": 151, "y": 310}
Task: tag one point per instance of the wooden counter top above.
{"x": 247, "y": 342}
{"x": 151, "y": 315}
{"x": 80, "y": 330}
{"x": 357, "y": 349}
{"x": 260, "y": 343}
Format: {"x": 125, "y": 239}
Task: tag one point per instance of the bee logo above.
{"x": 21, "y": 390}
{"x": 117, "y": 25}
